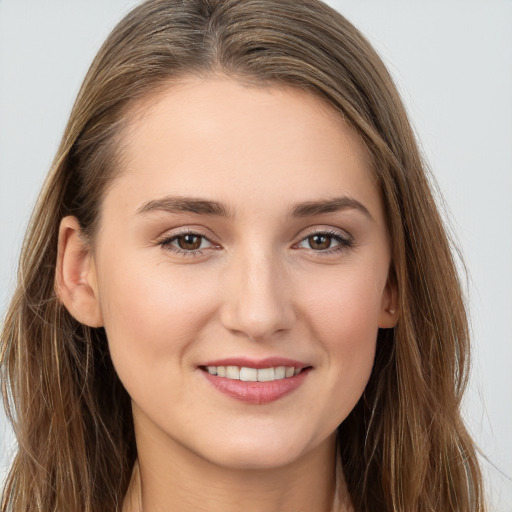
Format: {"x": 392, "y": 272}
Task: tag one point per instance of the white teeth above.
{"x": 254, "y": 374}
{"x": 266, "y": 374}
{"x": 248, "y": 374}
{"x": 280, "y": 372}
{"x": 233, "y": 372}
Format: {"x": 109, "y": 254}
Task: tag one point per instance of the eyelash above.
{"x": 167, "y": 241}
{"x": 344, "y": 243}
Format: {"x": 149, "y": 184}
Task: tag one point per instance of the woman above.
{"x": 252, "y": 301}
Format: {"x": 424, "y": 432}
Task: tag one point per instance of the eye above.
{"x": 187, "y": 243}
{"x": 325, "y": 242}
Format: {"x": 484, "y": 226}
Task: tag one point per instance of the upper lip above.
{"x": 268, "y": 362}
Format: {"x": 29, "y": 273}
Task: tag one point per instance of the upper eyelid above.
{"x": 199, "y": 231}
{"x": 330, "y": 230}
{"x": 174, "y": 236}
{"x": 327, "y": 230}
{"x": 304, "y": 233}
{"x": 181, "y": 231}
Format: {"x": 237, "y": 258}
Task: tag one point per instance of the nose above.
{"x": 258, "y": 297}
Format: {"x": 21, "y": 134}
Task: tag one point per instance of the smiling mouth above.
{"x": 247, "y": 374}
{"x": 256, "y": 382}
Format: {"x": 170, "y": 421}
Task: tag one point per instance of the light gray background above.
{"x": 452, "y": 60}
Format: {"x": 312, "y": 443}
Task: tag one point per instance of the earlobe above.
{"x": 75, "y": 278}
{"x": 389, "y": 307}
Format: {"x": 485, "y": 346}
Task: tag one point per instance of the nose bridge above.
{"x": 258, "y": 299}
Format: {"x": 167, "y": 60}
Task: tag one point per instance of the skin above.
{"x": 261, "y": 287}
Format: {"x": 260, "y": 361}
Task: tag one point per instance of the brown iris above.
{"x": 189, "y": 242}
{"x": 320, "y": 242}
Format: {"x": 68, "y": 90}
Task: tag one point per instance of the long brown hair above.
{"x": 404, "y": 447}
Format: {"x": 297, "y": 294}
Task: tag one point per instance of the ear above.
{"x": 389, "y": 306}
{"x": 75, "y": 278}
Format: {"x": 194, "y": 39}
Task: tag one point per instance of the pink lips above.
{"x": 256, "y": 392}
{"x": 268, "y": 362}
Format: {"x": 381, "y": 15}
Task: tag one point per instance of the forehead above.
{"x": 236, "y": 143}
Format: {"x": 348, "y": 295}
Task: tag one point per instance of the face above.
{"x": 245, "y": 231}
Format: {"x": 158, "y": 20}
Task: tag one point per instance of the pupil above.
{"x": 189, "y": 242}
{"x": 319, "y": 242}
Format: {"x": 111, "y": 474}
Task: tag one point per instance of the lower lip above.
{"x": 257, "y": 392}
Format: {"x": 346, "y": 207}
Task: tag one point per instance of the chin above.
{"x": 257, "y": 452}
{"x": 248, "y": 459}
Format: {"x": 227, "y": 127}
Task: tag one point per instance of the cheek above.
{"x": 151, "y": 313}
{"x": 345, "y": 319}
{"x": 345, "y": 304}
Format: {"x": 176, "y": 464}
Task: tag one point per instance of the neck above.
{"x": 175, "y": 479}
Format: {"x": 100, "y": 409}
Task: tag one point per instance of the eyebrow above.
{"x": 336, "y": 204}
{"x": 178, "y": 204}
